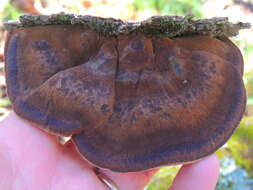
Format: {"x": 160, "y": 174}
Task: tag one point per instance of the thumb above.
{"x": 6, "y": 174}
{"x": 202, "y": 175}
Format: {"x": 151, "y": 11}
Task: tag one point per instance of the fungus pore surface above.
{"x": 130, "y": 101}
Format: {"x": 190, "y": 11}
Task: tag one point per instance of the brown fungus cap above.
{"x": 130, "y": 101}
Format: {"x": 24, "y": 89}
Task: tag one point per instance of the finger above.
{"x": 76, "y": 170}
{"x": 31, "y": 159}
{"x": 132, "y": 180}
{"x": 72, "y": 173}
{"x": 6, "y": 173}
{"x": 27, "y": 150}
{"x": 198, "y": 176}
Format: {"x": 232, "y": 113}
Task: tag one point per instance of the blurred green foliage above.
{"x": 241, "y": 145}
{"x": 233, "y": 178}
{"x": 4, "y": 102}
{"x": 248, "y": 51}
{"x": 10, "y": 13}
{"x": 163, "y": 178}
{"x": 171, "y": 7}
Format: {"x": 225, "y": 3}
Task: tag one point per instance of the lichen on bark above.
{"x": 160, "y": 26}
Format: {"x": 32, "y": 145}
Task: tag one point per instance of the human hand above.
{"x": 31, "y": 159}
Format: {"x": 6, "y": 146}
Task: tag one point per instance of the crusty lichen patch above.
{"x": 169, "y": 26}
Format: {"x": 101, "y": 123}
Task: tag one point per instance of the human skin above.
{"x": 33, "y": 159}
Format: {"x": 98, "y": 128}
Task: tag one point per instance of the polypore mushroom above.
{"x": 132, "y": 96}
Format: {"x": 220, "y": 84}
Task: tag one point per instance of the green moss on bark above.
{"x": 169, "y": 26}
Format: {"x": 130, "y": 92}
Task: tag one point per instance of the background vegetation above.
{"x": 237, "y": 154}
